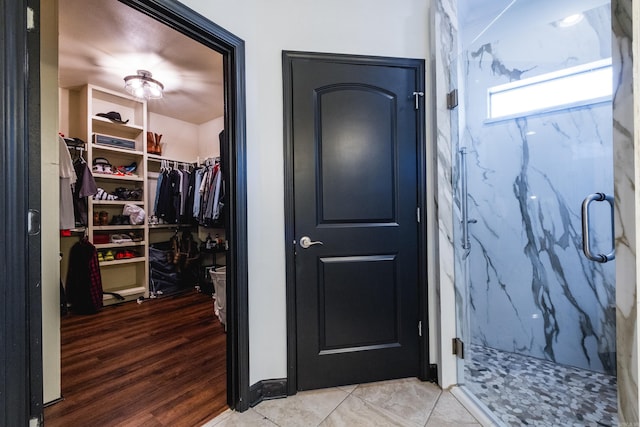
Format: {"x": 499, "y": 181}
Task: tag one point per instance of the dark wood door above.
{"x": 355, "y": 144}
{"x": 20, "y": 286}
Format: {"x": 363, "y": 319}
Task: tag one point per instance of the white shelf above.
{"x": 118, "y": 245}
{"x": 109, "y": 176}
{"x": 118, "y": 127}
{"x": 122, "y": 261}
{"x": 117, "y": 227}
{"x": 118, "y": 202}
{"x": 165, "y": 226}
{"x": 124, "y": 292}
{"x": 128, "y": 276}
{"x": 113, "y": 149}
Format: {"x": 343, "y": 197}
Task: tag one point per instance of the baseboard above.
{"x": 266, "y": 390}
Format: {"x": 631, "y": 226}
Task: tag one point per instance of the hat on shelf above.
{"x": 114, "y": 116}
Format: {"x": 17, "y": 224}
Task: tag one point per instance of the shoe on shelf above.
{"x": 136, "y": 237}
{"x": 103, "y": 195}
{"x": 130, "y": 254}
{"x": 127, "y": 169}
{"x": 109, "y": 256}
{"x": 104, "y": 217}
{"x": 121, "y": 238}
{"x": 120, "y": 254}
{"x": 120, "y": 220}
{"x": 100, "y": 256}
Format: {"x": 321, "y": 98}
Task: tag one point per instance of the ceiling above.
{"x": 482, "y": 17}
{"x": 102, "y": 41}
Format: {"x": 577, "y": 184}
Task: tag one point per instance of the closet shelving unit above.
{"x": 129, "y": 277}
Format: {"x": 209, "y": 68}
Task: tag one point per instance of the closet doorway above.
{"x": 220, "y": 77}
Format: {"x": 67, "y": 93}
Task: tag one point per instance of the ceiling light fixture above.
{"x": 142, "y": 86}
{"x": 571, "y": 20}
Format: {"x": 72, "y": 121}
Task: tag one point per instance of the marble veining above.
{"x": 626, "y": 286}
{"x": 531, "y": 291}
{"x": 446, "y": 213}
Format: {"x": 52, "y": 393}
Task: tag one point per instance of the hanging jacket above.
{"x": 84, "y": 282}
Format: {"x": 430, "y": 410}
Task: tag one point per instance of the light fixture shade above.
{"x": 142, "y": 86}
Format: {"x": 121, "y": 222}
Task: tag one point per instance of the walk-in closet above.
{"x": 143, "y": 220}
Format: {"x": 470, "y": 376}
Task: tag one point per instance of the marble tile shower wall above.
{"x": 531, "y": 289}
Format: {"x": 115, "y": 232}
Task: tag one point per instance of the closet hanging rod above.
{"x": 210, "y": 161}
{"x": 153, "y": 158}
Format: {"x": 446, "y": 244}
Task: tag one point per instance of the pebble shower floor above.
{"x": 523, "y": 390}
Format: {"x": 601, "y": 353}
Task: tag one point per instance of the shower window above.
{"x": 570, "y": 87}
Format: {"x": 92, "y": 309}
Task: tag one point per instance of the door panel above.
{"x": 348, "y": 321}
{"x": 355, "y": 143}
{"x": 369, "y": 189}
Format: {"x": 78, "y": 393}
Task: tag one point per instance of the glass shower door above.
{"x": 536, "y": 130}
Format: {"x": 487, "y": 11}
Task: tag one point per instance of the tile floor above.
{"x": 407, "y": 403}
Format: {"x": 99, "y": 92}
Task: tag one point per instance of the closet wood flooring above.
{"x": 159, "y": 363}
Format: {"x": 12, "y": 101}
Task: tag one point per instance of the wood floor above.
{"x": 159, "y": 363}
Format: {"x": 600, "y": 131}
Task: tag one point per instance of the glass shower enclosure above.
{"x": 536, "y": 298}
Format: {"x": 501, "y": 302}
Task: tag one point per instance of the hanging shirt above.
{"x": 197, "y": 194}
{"x": 84, "y": 187}
{"x": 67, "y": 179}
{"x": 157, "y": 198}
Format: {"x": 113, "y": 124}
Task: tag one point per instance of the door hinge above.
{"x": 418, "y": 214}
{"x": 458, "y": 347}
{"x": 452, "y": 99}
{"x": 419, "y": 328}
{"x": 417, "y": 96}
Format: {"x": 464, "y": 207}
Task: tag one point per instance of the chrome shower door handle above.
{"x": 586, "y": 244}
{"x": 306, "y": 242}
{"x": 464, "y": 206}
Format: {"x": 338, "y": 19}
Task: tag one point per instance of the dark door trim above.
{"x": 199, "y": 28}
{"x": 287, "y": 58}
{"x": 20, "y": 298}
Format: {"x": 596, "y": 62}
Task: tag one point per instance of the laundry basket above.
{"x": 219, "y": 278}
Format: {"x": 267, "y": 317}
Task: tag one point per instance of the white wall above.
{"x": 179, "y": 138}
{"x": 209, "y": 138}
{"x": 364, "y": 27}
{"x": 50, "y": 197}
{"x": 187, "y": 141}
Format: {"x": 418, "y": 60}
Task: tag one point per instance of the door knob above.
{"x": 305, "y": 242}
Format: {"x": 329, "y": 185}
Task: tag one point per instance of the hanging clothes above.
{"x": 158, "y": 187}
{"x": 184, "y": 194}
{"x": 211, "y": 192}
{"x": 166, "y": 208}
{"x": 84, "y": 282}
{"x": 84, "y": 188}
{"x": 199, "y": 174}
{"x": 187, "y": 218}
{"x": 68, "y": 178}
